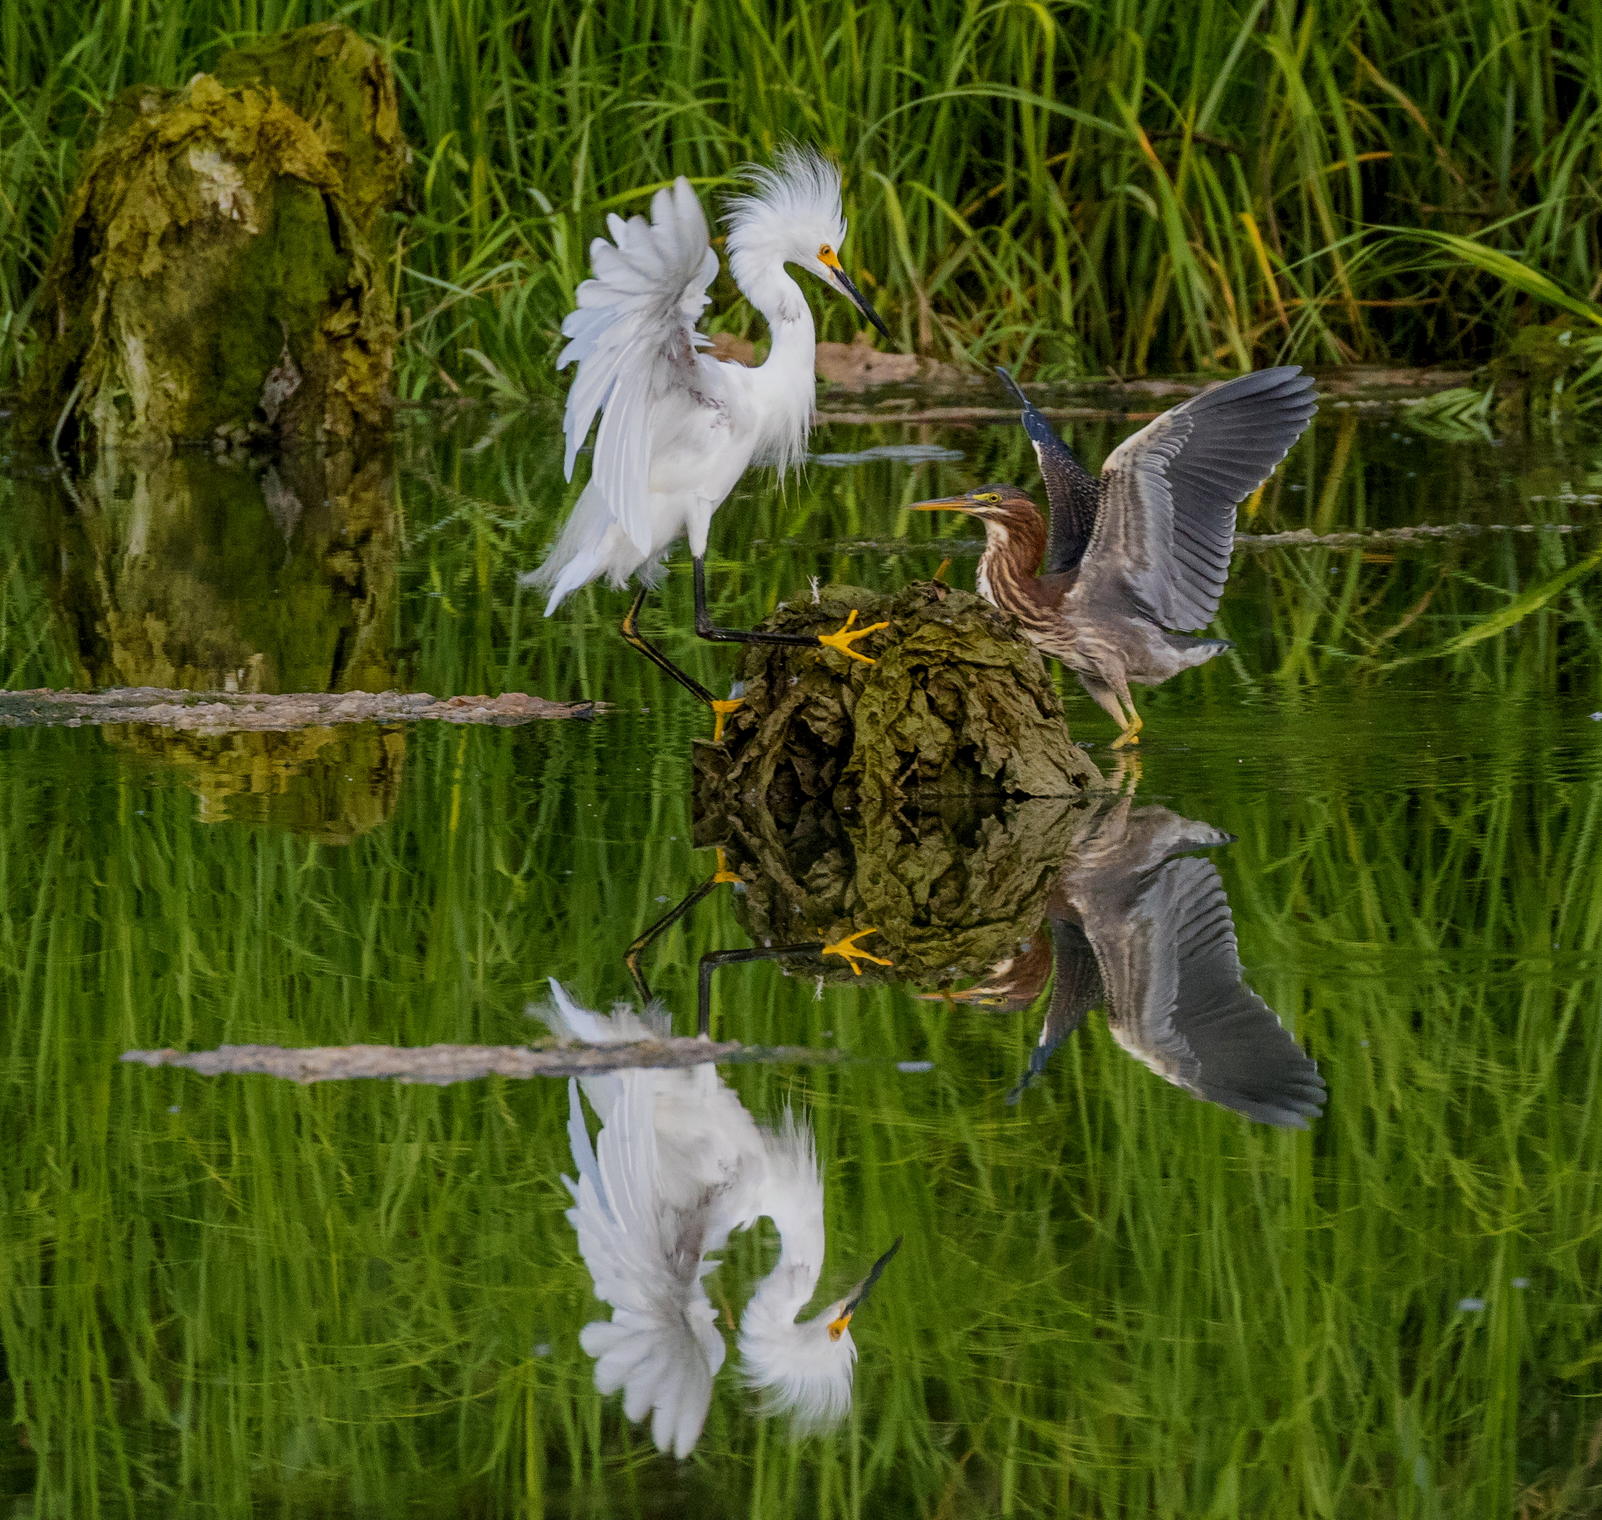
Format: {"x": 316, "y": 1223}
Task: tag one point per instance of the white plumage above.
{"x": 677, "y": 1166}
{"x": 678, "y": 428}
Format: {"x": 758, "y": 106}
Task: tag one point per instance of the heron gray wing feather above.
{"x": 1165, "y": 529}
{"x": 1076, "y": 988}
{"x": 1178, "y": 1001}
{"x": 1072, "y": 491}
{"x": 633, "y": 337}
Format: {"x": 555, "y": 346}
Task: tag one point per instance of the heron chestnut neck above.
{"x": 1015, "y": 538}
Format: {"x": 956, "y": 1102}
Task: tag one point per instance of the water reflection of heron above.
{"x": 1142, "y": 549}
{"x": 677, "y": 1166}
{"x": 677, "y": 427}
{"x": 1137, "y": 924}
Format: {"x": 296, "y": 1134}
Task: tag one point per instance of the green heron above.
{"x": 1145, "y": 548}
{"x": 1141, "y": 927}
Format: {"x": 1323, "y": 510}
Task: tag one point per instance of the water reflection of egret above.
{"x": 679, "y": 428}
{"x": 1141, "y": 550}
{"x": 677, "y": 1166}
{"x": 1140, "y": 926}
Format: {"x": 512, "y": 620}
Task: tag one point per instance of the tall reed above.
{"x": 1128, "y": 186}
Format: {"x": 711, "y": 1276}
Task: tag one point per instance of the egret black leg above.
{"x": 710, "y": 963}
{"x": 845, "y": 948}
{"x": 842, "y": 639}
{"x": 633, "y": 955}
{"x": 720, "y": 635}
{"x": 637, "y": 640}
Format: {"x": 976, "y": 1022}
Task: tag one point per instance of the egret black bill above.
{"x": 831, "y": 261}
{"x": 858, "y": 1295}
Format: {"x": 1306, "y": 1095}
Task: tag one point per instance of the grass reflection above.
{"x": 226, "y": 1297}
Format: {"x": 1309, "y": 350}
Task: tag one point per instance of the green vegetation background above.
{"x": 1130, "y": 185}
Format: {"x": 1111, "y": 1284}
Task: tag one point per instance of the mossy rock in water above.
{"x": 222, "y": 272}
{"x": 956, "y": 704}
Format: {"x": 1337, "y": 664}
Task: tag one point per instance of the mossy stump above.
{"x": 222, "y": 272}
{"x": 955, "y": 705}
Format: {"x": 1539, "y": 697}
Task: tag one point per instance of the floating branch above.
{"x": 220, "y": 712}
{"x": 439, "y": 1065}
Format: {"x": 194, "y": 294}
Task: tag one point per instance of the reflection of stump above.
{"x": 950, "y": 893}
{"x": 955, "y": 705}
{"x": 191, "y": 571}
{"x": 222, "y": 270}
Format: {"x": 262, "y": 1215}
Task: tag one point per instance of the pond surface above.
{"x": 230, "y": 1295}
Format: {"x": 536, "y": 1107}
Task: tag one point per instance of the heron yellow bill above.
{"x": 854, "y": 1299}
{"x": 831, "y": 261}
{"x": 943, "y": 504}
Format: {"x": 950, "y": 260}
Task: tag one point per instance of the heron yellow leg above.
{"x": 1132, "y": 727}
{"x": 846, "y": 949}
{"x": 721, "y": 708}
{"x": 844, "y": 637}
{"x": 939, "y": 576}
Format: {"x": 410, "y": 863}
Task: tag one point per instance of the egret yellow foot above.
{"x": 847, "y": 950}
{"x": 721, "y": 708}
{"x": 843, "y": 638}
{"x": 723, "y": 876}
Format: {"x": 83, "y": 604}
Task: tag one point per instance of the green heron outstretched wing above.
{"x": 1166, "y": 525}
{"x": 1075, "y": 989}
{"x": 1178, "y": 1002}
{"x": 1072, "y": 492}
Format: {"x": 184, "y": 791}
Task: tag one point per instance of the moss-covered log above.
{"x": 222, "y": 272}
{"x": 956, "y": 704}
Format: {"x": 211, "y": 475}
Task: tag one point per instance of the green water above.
{"x": 229, "y": 1296}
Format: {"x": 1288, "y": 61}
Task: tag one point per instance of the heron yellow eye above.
{"x": 988, "y": 498}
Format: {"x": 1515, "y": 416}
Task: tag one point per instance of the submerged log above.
{"x": 956, "y": 704}
{"x": 222, "y": 272}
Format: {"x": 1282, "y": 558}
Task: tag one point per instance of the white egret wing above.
{"x": 661, "y": 1347}
{"x": 634, "y": 338}
{"x": 1165, "y": 528}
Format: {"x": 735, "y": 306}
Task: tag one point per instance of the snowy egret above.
{"x": 1145, "y": 548}
{"x": 678, "y": 428}
{"x": 677, "y": 1166}
{"x": 1143, "y": 928}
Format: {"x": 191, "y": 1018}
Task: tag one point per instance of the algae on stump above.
{"x": 954, "y": 705}
{"x": 223, "y": 269}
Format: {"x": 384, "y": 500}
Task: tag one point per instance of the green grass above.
{"x": 1127, "y": 185}
{"x": 237, "y": 1297}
